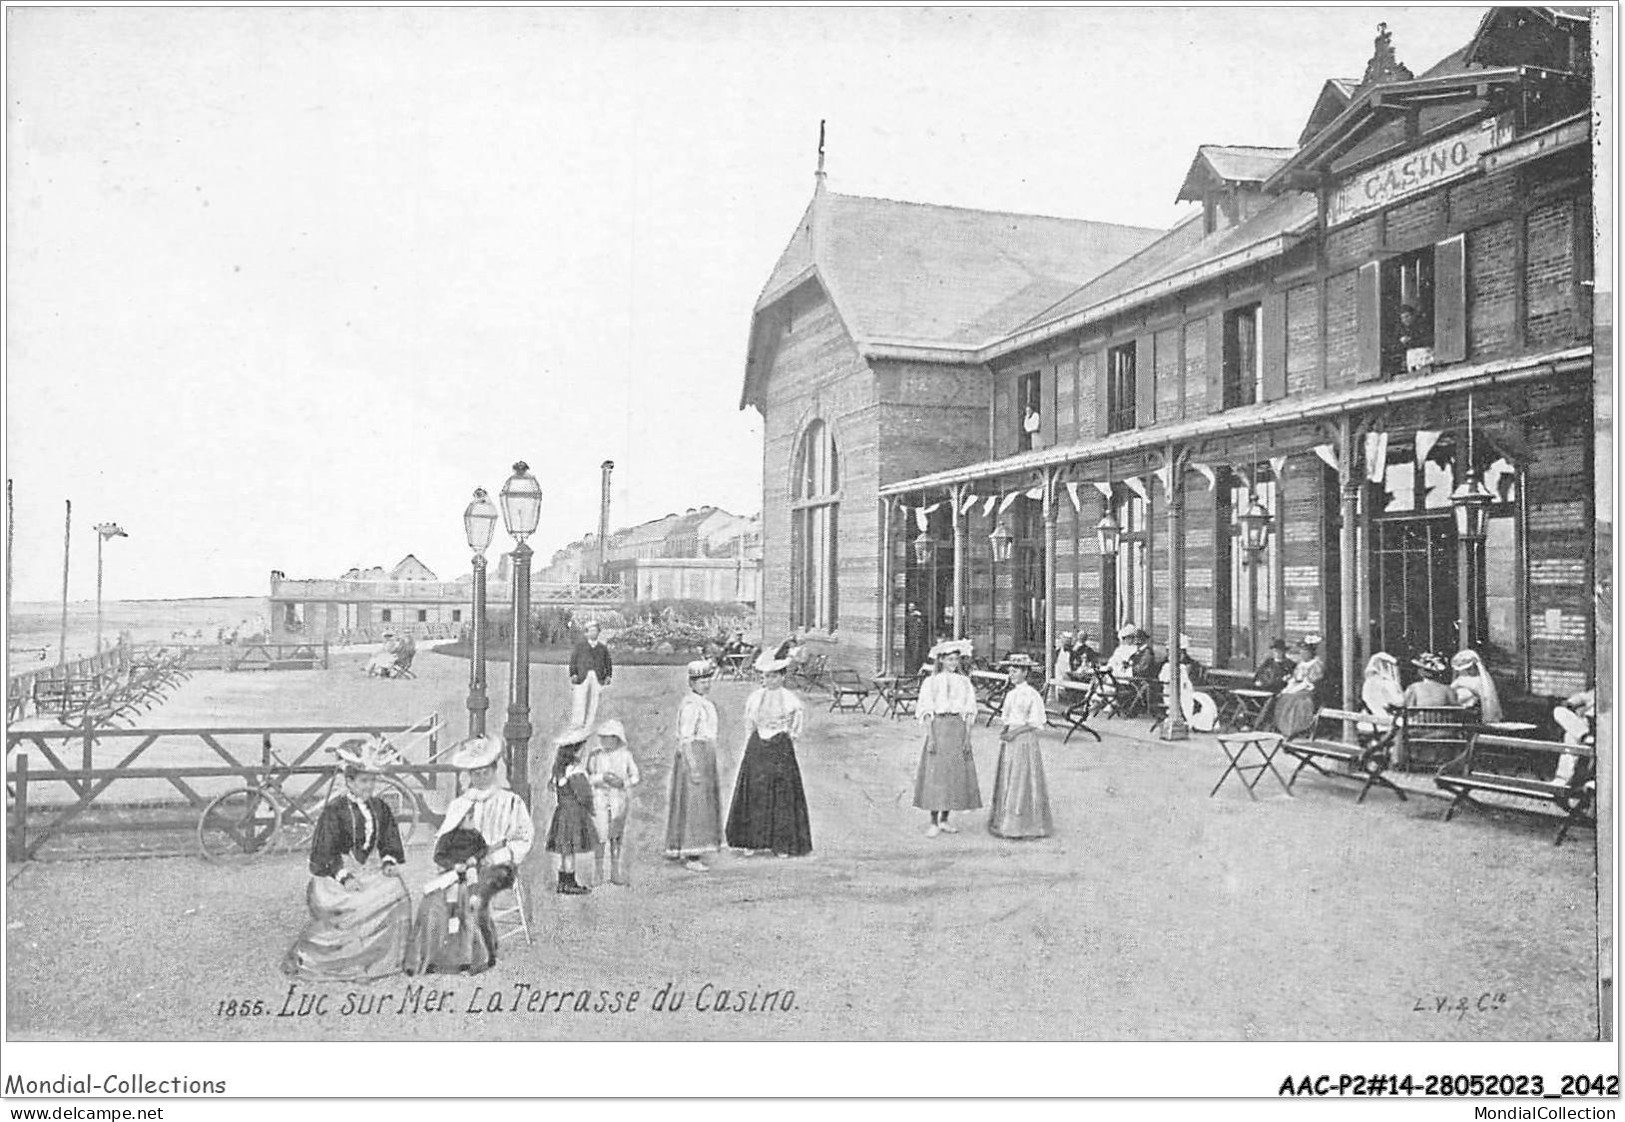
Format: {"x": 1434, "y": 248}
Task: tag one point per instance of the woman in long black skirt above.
{"x": 769, "y": 811}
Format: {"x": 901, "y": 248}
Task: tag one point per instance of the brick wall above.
{"x": 1303, "y": 339}
{"x": 1168, "y": 375}
{"x": 1352, "y": 245}
{"x": 1549, "y": 276}
{"x": 1561, "y": 654}
{"x": 1301, "y": 502}
{"x": 1416, "y": 223}
{"x": 1492, "y": 285}
{"x": 1477, "y": 198}
{"x": 1196, "y": 367}
{"x": 1342, "y": 339}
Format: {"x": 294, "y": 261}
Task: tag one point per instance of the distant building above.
{"x": 705, "y": 553}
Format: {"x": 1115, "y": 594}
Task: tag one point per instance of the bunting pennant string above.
{"x": 1036, "y": 493}
{"x": 1137, "y": 485}
{"x": 1004, "y": 503}
{"x": 1425, "y": 440}
{"x": 1497, "y": 478}
{"x": 1328, "y": 454}
{"x": 1277, "y": 466}
{"x": 1165, "y": 476}
{"x": 1072, "y": 486}
{"x": 987, "y": 507}
{"x": 970, "y": 501}
{"x": 1206, "y": 472}
{"x": 1376, "y": 456}
{"x": 1105, "y": 489}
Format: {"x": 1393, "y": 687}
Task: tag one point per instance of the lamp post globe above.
{"x": 1108, "y": 532}
{"x": 1001, "y": 539}
{"x": 1255, "y": 525}
{"x": 1471, "y": 502}
{"x": 521, "y": 499}
{"x": 924, "y": 549}
{"x": 479, "y": 522}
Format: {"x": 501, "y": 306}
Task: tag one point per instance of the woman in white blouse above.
{"x": 1020, "y": 795}
{"x": 769, "y": 809}
{"x": 694, "y": 800}
{"x": 946, "y": 780}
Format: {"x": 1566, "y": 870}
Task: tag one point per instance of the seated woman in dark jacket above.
{"x": 360, "y": 914}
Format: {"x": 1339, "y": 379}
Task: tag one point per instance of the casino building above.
{"x": 1356, "y": 394}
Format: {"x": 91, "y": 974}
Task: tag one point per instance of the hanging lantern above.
{"x": 924, "y": 549}
{"x": 1109, "y": 534}
{"x": 1255, "y": 525}
{"x": 1000, "y": 539}
{"x": 1472, "y": 502}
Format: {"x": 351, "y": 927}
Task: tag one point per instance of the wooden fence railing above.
{"x": 33, "y": 822}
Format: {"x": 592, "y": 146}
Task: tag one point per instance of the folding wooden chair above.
{"x": 512, "y": 920}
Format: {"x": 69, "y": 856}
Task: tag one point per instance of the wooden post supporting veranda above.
{"x": 957, "y": 494}
{"x": 1051, "y": 481}
{"x": 67, "y": 532}
{"x": 1173, "y": 725}
{"x": 1347, "y": 567}
{"x": 885, "y": 585}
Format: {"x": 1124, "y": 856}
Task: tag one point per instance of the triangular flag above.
{"x": 1004, "y": 503}
{"x": 970, "y": 501}
{"x": 1206, "y": 472}
{"x": 1105, "y": 489}
{"x": 1165, "y": 475}
{"x": 1036, "y": 493}
{"x": 1137, "y": 485}
{"x": 1327, "y": 453}
{"x": 1072, "y": 493}
{"x": 1425, "y": 440}
{"x": 922, "y": 518}
{"x": 1277, "y": 466}
{"x": 987, "y": 507}
{"x": 1376, "y": 456}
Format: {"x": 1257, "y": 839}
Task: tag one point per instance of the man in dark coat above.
{"x": 590, "y": 671}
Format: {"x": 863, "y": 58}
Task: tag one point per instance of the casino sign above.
{"x": 1448, "y": 158}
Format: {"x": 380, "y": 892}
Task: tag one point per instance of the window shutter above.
{"x": 1367, "y": 324}
{"x": 1004, "y": 425}
{"x": 1215, "y": 362}
{"x": 1145, "y": 381}
{"x": 1049, "y": 380}
{"x": 1272, "y": 328}
{"x": 1103, "y": 398}
{"x": 1450, "y": 300}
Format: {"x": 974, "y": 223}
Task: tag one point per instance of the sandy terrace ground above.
{"x": 1154, "y": 913}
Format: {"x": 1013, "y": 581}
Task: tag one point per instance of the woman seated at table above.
{"x": 735, "y": 644}
{"x": 1084, "y": 656}
{"x": 1295, "y": 704}
{"x": 360, "y": 914}
{"x": 1276, "y": 670}
{"x": 1474, "y": 688}
{"x": 1120, "y": 658}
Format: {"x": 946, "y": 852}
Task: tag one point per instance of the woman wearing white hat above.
{"x": 613, "y": 773}
{"x": 1474, "y": 687}
{"x": 1294, "y": 710}
{"x": 1020, "y": 794}
{"x": 1121, "y": 661}
{"x": 694, "y": 798}
{"x": 946, "y": 780}
{"x": 487, "y": 832}
{"x": 769, "y": 808}
{"x": 360, "y": 914}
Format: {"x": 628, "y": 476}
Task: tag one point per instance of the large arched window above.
{"x": 815, "y": 501}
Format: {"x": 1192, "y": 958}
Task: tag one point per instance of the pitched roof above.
{"x": 1334, "y": 97}
{"x": 1229, "y": 163}
{"x": 939, "y": 275}
{"x": 1181, "y": 255}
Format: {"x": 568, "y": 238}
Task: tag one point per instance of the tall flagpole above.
{"x": 67, "y": 528}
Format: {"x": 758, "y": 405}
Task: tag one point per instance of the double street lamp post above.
{"x": 104, "y": 530}
{"x": 521, "y": 500}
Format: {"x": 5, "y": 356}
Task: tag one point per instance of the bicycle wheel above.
{"x": 402, "y": 803}
{"x": 238, "y": 826}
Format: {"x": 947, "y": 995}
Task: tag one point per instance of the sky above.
{"x": 285, "y": 284}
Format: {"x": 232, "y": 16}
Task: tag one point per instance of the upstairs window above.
{"x": 1120, "y": 388}
{"x": 1407, "y": 312}
{"x": 1243, "y": 358}
{"x": 814, "y": 531}
{"x": 1029, "y": 410}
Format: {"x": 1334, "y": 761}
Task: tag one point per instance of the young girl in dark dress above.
{"x": 572, "y": 830}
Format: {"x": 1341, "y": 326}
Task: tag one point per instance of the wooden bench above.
{"x": 1489, "y": 760}
{"x": 848, "y": 692}
{"x": 1430, "y": 736}
{"x": 64, "y": 695}
{"x": 1332, "y": 740}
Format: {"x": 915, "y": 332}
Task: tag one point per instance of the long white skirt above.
{"x": 584, "y": 702}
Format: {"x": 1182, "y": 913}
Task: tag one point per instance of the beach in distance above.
{"x": 35, "y": 627}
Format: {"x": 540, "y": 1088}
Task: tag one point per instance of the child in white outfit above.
{"x": 613, "y": 773}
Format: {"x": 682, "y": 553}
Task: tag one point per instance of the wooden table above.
{"x": 1244, "y": 706}
{"x": 990, "y": 690}
{"x": 733, "y": 666}
{"x": 1237, "y": 746}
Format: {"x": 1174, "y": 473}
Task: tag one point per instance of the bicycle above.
{"x": 244, "y": 824}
